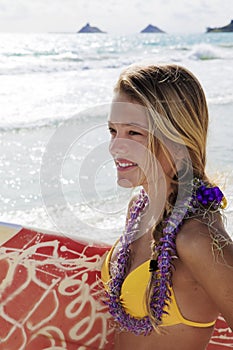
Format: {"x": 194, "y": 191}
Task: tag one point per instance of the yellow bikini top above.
{"x": 133, "y": 295}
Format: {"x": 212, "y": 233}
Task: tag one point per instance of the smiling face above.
{"x": 128, "y": 126}
{"x": 140, "y": 160}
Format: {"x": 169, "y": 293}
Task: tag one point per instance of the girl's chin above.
{"x": 125, "y": 183}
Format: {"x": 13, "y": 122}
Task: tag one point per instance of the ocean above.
{"x": 56, "y": 172}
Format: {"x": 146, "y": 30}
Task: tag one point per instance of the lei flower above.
{"x": 202, "y": 196}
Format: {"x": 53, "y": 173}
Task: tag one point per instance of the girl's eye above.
{"x": 131, "y": 132}
{"x": 112, "y": 131}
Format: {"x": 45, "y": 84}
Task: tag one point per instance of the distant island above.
{"x": 226, "y": 29}
{"x": 151, "y": 29}
{"x": 89, "y": 29}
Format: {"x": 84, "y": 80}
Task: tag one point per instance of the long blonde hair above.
{"x": 175, "y": 100}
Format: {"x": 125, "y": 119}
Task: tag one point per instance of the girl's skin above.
{"x": 203, "y": 277}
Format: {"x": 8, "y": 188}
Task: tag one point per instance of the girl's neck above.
{"x": 159, "y": 196}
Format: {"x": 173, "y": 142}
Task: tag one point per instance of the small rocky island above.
{"x": 89, "y": 29}
{"x": 226, "y": 29}
{"x": 151, "y": 29}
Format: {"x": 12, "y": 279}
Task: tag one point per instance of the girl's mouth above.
{"x": 124, "y": 164}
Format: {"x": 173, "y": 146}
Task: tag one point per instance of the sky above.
{"x": 114, "y": 16}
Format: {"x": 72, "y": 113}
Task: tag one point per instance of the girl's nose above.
{"x": 119, "y": 146}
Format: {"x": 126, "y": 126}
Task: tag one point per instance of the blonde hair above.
{"x": 174, "y": 101}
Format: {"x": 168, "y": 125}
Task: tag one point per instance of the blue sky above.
{"x": 112, "y": 16}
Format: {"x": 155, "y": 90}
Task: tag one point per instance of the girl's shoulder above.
{"x": 202, "y": 238}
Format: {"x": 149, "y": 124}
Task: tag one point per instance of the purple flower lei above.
{"x": 202, "y": 197}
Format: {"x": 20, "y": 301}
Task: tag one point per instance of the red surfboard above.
{"x": 51, "y": 294}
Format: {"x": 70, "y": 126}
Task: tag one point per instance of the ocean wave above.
{"x": 70, "y": 66}
{"x": 59, "y": 56}
{"x": 226, "y": 45}
{"x": 205, "y": 52}
{"x": 37, "y": 68}
{"x": 84, "y": 116}
{"x": 29, "y": 54}
{"x": 38, "y": 124}
{"x": 59, "y": 63}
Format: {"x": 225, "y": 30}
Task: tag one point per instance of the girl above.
{"x": 171, "y": 273}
